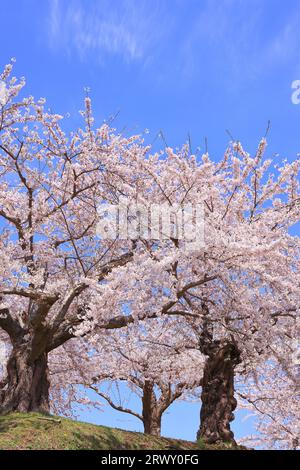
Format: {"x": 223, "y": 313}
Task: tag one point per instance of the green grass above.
{"x": 20, "y": 431}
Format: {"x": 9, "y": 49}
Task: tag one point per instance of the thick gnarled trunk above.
{"x": 151, "y": 414}
{"x": 218, "y": 402}
{"x": 27, "y": 386}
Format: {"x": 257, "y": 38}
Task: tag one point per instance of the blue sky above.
{"x": 181, "y": 420}
{"x": 183, "y": 66}
{"x": 194, "y": 67}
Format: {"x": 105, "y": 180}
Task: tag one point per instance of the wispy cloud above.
{"x": 284, "y": 46}
{"x": 225, "y": 32}
{"x": 124, "y": 28}
{"x": 179, "y": 40}
{"x": 238, "y": 39}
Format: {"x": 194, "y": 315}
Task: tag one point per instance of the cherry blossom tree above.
{"x": 52, "y": 261}
{"x": 271, "y": 393}
{"x": 147, "y": 356}
{"x": 241, "y": 288}
{"x": 236, "y": 289}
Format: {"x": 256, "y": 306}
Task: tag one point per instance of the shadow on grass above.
{"x": 108, "y": 439}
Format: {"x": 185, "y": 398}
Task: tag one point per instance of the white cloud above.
{"x": 236, "y": 40}
{"x": 124, "y": 28}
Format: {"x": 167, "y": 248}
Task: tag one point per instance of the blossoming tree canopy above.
{"x": 51, "y": 186}
{"x": 271, "y": 393}
{"x": 149, "y": 356}
{"x": 241, "y": 289}
{"x": 235, "y": 288}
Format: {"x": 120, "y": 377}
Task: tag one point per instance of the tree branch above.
{"x": 113, "y": 405}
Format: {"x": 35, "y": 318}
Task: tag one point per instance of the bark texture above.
{"x": 151, "y": 413}
{"x": 26, "y": 387}
{"x": 218, "y": 401}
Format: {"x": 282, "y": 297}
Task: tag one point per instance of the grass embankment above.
{"x": 35, "y": 431}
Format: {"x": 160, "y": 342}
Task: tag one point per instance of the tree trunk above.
{"x": 27, "y": 384}
{"x": 218, "y": 402}
{"x": 152, "y": 426}
{"x": 151, "y": 415}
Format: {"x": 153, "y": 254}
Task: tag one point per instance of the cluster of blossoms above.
{"x": 81, "y": 312}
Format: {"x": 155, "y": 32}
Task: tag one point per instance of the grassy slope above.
{"x": 35, "y": 431}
